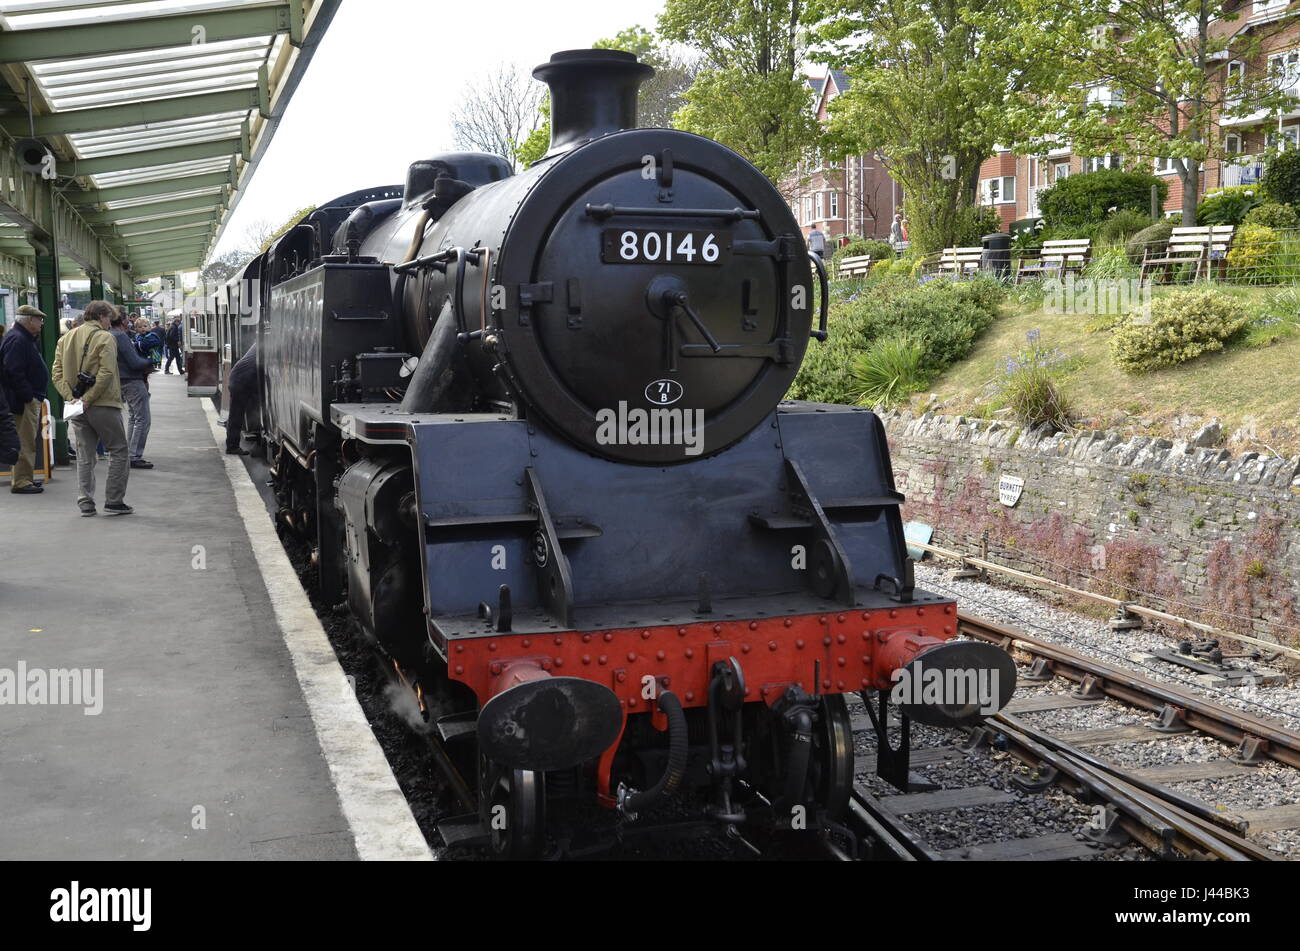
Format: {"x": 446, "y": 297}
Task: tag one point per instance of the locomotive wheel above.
{"x": 514, "y": 810}
{"x": 832, "y": 760}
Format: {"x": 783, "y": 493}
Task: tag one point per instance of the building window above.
{"x": 1283, "y": 139}
{"x": 1284, "y": 68}
{"x": 1098, "y": 162}
{"x": 1105, "y": 96}
{"x": 998, "y": 191}
{"x": 821, "y": 205}
{"x": 1165, "y": 166}
{"x": 807, "y": 209}
{"x": 1232, "y": 144}
{"x": 835, "y": 204}
{"x": 1060, "y": 171}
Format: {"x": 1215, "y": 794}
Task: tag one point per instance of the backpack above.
{"x": 150, "y": 346}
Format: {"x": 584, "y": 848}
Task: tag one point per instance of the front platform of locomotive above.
{"x": 635, "y": 554}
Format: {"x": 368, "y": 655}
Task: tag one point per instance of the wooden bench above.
{"x": 1056, "y": 258}
{"x": 957, "y": 262}
{"x": 856, "y": 266}
{"x": 1205, "y": 248}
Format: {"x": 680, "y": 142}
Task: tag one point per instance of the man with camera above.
{"x": 85, "y": 369}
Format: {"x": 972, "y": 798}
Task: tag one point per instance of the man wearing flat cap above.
{"x": 24, "y": 378}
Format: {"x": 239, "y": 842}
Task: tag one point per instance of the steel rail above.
{"x": 1174, "y": 829}
{"x": 1232, "y": 726}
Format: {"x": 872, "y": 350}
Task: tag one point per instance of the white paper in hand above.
{"x": 72, "y": 410}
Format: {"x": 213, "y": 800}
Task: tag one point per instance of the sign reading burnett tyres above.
{"x": 1009, "y": 489}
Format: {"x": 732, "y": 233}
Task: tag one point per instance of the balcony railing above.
{"x": 1246, "y": 170}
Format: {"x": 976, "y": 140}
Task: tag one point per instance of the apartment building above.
{"x": 855, "y": 195}
{"x": 1012, "y": 183}
{"x": 841, "y": 195}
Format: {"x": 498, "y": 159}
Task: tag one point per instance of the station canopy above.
{"x": 157, "y": 113}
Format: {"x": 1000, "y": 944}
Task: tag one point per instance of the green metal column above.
{"x": 96, "y": 287}
{"x": 48, "y": 299}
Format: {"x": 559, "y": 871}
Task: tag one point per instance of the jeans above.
{"x": 28, "y": 419}
{"x": 136, "y": 396}
{"x": 94, "y": 424}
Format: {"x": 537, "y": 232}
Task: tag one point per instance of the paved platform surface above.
{"x": 204, "y": 748}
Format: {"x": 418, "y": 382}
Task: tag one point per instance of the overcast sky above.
{"x": 381, "y": 87}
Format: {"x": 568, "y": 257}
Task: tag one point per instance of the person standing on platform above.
{"x": 243, "y": 397}
{"x": 85, "y": 369}
{"x": 133, "y": 370}
{"x": 175, "y": 348}
{"x": 22, "y": 369}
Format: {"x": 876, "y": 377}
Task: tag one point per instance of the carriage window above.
{"x": 198, "y": 332}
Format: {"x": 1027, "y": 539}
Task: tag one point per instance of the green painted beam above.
{"x": 164, "y": 186}
{"x": 172, "y": 155}
{"x": 172, "y": 265}
{"x": 157, "y": 252}
{"x": 163, "y": 224}
{"x": 102, "y": 118}
{"x": 144, "y": 33}
{"x": 155, "y": 247}
{"x": 187, "y": 233}
{"x": 113, "y": 215}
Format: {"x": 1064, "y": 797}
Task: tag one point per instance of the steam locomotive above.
{"x": 533, "y": 425}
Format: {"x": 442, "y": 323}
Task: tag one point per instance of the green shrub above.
{"x": 1150, "y": 236}
{"x": 1253, "y": 251}
{"x": 942, "y": 317}
{"x": 1031, "y": 389}
{"x": 1228, "y": 206}
{"x": 1109, "y": 264}
{"x": 974, "y": 223}
{"x": 1122, "y": 225}
{"x": 1087, "y": 198}
{"x": 1281, "y": 179}
{"x": 1272, "y": 214}
{"x": 1182, "y": 326}
{"x": 1274, "y": 318}
{"x": 890, "y": 371}
{"x": 879, "y": 251}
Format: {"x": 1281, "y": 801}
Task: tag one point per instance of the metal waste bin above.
{"x": 996, "y": 259}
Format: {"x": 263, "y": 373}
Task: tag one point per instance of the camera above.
{"x": 84, "y": 382}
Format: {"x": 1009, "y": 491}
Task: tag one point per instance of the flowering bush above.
{"x": 1182, "y": 326}
{"x": 1031, "y": 385}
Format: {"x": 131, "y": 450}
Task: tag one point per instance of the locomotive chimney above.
{"x": 593, "y": 92}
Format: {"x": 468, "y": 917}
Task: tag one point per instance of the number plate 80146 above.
{"x": 663, "y": 246}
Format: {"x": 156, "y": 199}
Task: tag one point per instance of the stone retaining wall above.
{"x": 1204, "y": 530}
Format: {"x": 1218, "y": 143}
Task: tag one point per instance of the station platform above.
{"x": 205, "y": 715}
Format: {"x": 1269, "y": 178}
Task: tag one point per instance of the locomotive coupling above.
{"x": 535, "y": 721}
{"x": 943, "y": 683}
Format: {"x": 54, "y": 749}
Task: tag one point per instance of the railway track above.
{"x": 1129, "y": 805}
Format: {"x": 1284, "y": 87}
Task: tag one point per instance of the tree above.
{"x": 497, "y": 112}
{"x": 261, "y": 234}
{"x": 1149, "y": 79}
{"x": 660, "y": 96}
{"x": 219, "y": 270}
{"x": 933, "y": 85}
{"x": 750, "y": 93}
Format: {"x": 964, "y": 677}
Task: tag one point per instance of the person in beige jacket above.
{"x": 93, "y": 350}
